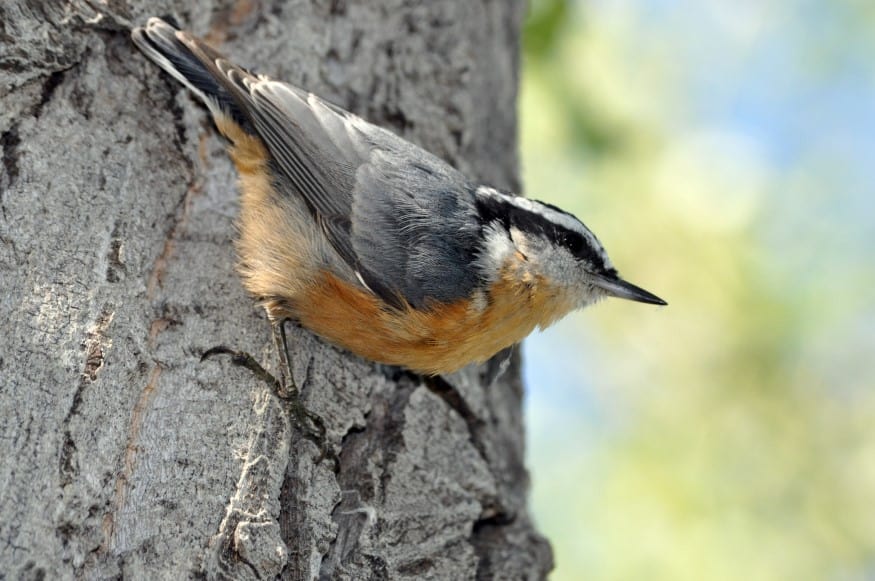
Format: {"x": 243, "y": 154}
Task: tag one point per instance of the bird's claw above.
{"x": 308, "y": 423}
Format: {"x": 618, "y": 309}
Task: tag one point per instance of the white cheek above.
{"x": 587, "y": 292}
{"x": 590, "y": 296}
{"x": 562, "y": 268}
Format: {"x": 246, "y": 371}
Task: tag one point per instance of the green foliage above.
{"x": 543, "y": 26}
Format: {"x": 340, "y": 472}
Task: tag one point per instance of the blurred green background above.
{"x": 722, "y": 151}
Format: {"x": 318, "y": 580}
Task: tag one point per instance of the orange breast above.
{"x": 441, "y": 339}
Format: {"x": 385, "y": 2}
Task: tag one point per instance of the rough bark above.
{"x": 122, "y": 454}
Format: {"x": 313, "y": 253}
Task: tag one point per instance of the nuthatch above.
{"x": 372, "y": 242}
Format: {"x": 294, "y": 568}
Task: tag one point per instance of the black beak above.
{"x": 617, "y": 287}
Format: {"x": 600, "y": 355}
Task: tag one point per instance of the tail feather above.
{"x": 192, "y": 63}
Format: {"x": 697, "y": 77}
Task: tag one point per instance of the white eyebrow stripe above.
{"x": 566, "y": 221}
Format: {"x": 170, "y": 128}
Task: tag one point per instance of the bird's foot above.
{"x": 245, "y": 360}
{"x": 308, "y": 423}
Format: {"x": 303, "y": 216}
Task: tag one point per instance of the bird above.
{"x": 373, "y": 243}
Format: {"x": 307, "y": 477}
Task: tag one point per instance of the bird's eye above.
{"x": 574, "y": 244}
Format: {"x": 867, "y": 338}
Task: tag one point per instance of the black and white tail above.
{"x": 195, "y": 65}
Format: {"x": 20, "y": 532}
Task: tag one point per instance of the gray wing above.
{"x": 414, "y": 225}
{"x": 404, "y": 220}
{"x": 399, "y": 216}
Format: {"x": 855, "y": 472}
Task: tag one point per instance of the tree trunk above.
{"x": 123, "y": 454}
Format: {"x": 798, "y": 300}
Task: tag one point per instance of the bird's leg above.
{"x": 288, "y": 388}
{"x": 310, "y": 424}
{"x": 284, "y": 387}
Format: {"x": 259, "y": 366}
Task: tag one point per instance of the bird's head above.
{"x": 557, "y": 246}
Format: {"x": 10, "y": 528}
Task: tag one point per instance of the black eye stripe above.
{"x": 575, "y": 243}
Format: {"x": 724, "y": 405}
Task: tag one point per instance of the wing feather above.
{"x": 402, "y": 219}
